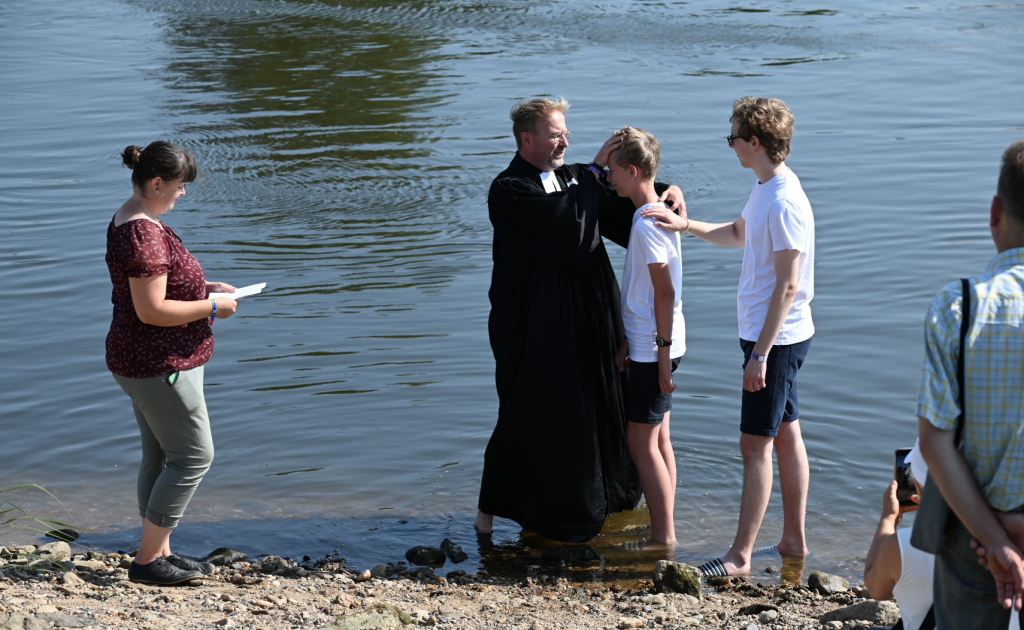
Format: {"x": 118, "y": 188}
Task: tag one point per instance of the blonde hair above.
{"x": 1011, "y": 182}
{"x": 767, "y": 118}
{"x": 639, "y": 148}
{"x": 526, "y": 114}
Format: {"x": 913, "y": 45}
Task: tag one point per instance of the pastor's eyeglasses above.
{"x": 558, "y": 136}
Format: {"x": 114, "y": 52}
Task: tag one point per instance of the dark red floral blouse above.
{"x": 139, "y": 249}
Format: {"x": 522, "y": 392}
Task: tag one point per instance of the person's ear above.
{"x": 996, "y": 212}
{"x": 526, "y": 140}
{"x": 633, "y": 171}
{"x": 755, "y": 143}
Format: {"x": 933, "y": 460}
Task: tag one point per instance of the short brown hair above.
{"x": 1011, "y": 182}
{"x": 639, "y": 148}
{"x": 526, "y": 114}
{"x": 767, "y": 118}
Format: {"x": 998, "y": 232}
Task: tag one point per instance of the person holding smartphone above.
{"x": 159, "y": 340}
{"x": 894, "y": 568}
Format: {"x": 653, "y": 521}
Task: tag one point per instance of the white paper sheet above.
{"x": 252, "y": 289}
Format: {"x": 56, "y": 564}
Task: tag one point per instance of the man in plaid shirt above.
{"x": 983, "y": 481}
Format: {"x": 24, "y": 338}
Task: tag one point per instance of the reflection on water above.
{"x": 347, "y": 147}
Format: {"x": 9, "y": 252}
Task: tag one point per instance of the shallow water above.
{"x": 347, "y": 149}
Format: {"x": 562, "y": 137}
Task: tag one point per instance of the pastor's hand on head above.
{"x": 610, "y": 145}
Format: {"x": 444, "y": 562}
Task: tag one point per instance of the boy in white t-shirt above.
{"x": 652, "y": 315}
{"x": 776, "y": 229}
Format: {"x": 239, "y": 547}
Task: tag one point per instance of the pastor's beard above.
{"x": 554, "y": 162}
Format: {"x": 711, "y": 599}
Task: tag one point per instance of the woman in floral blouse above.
{"x": 159, "y": 340}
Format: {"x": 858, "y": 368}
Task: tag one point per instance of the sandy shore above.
{"x": 97, "y": 594}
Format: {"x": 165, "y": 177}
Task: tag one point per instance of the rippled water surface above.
{"x": 347, "y": 150}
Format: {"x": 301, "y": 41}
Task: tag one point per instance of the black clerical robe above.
{"x": 557, "y": 461}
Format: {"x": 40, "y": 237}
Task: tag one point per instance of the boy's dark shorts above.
{"x": 764, "y": 411}
{"x": 647, "y": 405}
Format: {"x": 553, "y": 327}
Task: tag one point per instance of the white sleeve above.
{"x": 652, "y": 241}
{"x": 788, "y": 226}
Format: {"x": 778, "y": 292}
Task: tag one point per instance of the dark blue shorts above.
{"x": 647, "y": 404}
{"x": 764, "y": 411}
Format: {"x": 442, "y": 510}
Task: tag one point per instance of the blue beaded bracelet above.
{"x": 214, "y": 313}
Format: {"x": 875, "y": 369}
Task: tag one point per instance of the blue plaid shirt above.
{"x": 993, "y": 438}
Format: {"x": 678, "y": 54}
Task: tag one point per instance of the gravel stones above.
{"x": 222, "y": 557}
{"x": 426, "y": 556}
{"x": 380, "y": 616}
{"x": 380, "y": 571}
{"x": 827, "y": 584}
{"x": 454, "y": 552}
{"x": 54, "y": 552}
{"x": 878, "y": 613}
{"x": 60, "y": 620}
{"x": 673, "y": 577}
{"x": 629, "y": 622}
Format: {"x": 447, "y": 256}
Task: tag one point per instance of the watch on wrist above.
{"x": 661, "y": 343}
{"x": 757, "y": 357}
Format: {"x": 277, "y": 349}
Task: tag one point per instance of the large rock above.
{"x": 66, "y": 534}
{"x": 271, "y": 564}
{"x": 222, "y": 557}
{"x": 380, "y": 616}
{"x": 454, "y": 552}
{"x": 673, "y": 577}
{"x": 571, "y": 554}
{"x": 60, "y": 620}
{"x": 18, "y": 621}
{"x": 757, "y": 609}
{"x": 826, "y": 584}
{"x": 877, "y": 613}
{"x": 425, "y": 556}
{"x": 54, "y": 552}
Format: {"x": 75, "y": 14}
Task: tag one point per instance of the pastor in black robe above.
{"x": 558, "y": 460}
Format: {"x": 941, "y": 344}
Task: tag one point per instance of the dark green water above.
{"x": 347, "y": 149}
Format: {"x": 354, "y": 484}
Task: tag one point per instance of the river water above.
{"x": 347, "y": 148}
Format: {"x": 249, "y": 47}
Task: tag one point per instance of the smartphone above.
{"x": 904, "y": 486}
{"x": 172, "y": 378}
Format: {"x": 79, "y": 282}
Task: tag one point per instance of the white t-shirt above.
{"x": 778, "y": 217}
{"x": 913, "y": 591}
{"x": 648, "y": 245}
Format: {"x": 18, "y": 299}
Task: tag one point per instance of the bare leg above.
{"x": 484, "y": 523}
{"x": 793, "y": 475}
{"x": 644, "y": 446}
{"x": 155, "y": 543}
{"x": 757, "y": 489}
{"x": 667, "y": 454}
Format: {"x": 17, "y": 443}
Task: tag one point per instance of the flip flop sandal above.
{"x": 714, "y": 568}
{"x": 771, "y": 549}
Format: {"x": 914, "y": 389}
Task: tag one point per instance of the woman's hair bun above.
{"x": 131, "y": 156}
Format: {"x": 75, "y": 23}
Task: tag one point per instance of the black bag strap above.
{"x": 965, "y": 328}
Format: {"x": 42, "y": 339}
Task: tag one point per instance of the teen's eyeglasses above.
{"x": 558, "y": 136}
{"x": 730, "y": 139}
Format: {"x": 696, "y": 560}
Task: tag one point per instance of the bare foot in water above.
{"x": 792, "y": 548}
{"x": 484, "y": 523}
